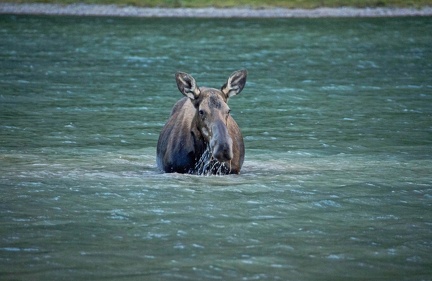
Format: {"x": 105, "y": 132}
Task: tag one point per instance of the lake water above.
{"x": 337, "y": 121}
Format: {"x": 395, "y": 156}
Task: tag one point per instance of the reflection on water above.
{"x": 336, "y": 183}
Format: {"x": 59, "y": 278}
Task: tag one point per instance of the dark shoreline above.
{"x": 131, "y": 11}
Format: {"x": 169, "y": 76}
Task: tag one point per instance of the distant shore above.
{"x": 131, "y": 11}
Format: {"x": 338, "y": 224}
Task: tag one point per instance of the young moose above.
{"x": 200, "y": 136}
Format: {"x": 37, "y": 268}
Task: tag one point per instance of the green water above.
{"x": 336, "y": 183}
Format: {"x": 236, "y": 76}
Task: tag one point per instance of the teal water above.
{"x": 336, "y": 183}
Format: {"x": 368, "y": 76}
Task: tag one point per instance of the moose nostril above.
{"x": 228, "y": 155}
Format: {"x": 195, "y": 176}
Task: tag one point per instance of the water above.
{"x": 336, "y": 183}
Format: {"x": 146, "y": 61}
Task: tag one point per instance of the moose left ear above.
{"x": 235, "y": 83}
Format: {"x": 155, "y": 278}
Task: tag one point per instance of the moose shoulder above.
{"x": 200, "y": 136}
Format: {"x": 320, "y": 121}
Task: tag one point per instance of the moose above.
{"x": 200, "y": 136}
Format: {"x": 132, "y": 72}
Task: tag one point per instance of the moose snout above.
{"x": 223, "y": 151}
{"x": 221, "y": 143}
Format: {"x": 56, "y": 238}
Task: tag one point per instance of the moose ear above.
{"x": 187, "y": 85}
{"x": 235, "y": 83}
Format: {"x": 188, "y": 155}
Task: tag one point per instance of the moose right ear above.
{"x": 235, "y": 83}
{"x": 187, "y": 85}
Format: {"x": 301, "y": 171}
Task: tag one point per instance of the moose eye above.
{"x": 201, "y": 112}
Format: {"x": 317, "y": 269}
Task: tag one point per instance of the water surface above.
{"x": 336, "y": 183}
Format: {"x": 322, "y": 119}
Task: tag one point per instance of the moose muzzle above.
{"x": 221, "y": 143}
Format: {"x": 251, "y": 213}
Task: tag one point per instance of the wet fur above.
{"x": 186, "y": 144}
{"x": 181, "y": 143}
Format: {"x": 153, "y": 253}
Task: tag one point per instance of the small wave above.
{"x": 15, "y": 249}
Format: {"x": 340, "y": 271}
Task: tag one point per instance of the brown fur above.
{"x": 199, "y": 121}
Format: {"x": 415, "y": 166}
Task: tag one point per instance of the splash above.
{"x": 207, "y": 165}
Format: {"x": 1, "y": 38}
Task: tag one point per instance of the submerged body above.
{"x": 200, "y": 136}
